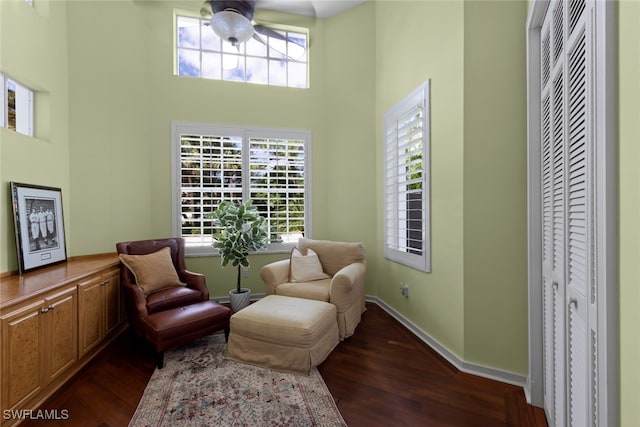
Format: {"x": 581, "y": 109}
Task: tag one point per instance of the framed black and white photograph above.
{"x": 39, "y": 225}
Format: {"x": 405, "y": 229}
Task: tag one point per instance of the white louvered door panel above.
{"x": 547, "y": 255}
{"x": 569, "y": 296}
{"x": 553, "y": 212}
{"x": 581, "y": 378}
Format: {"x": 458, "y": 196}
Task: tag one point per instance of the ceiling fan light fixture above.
{"x": 231, "y": 26}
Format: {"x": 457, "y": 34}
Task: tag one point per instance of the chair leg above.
{"x": 160, "y": 359}
{"x": 226, "y": 333}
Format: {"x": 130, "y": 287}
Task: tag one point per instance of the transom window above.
{"x": 406, "y": 181}
{"x": 16, "y": 106}
{"x": 214, "y": 163}
{"x": 273, "y": 57}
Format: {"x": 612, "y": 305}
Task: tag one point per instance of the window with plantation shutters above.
{"x": 214, "y": 163}
{"x": 406, "y": 184}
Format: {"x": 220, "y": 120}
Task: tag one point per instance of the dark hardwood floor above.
{"x": 381, "y": 376}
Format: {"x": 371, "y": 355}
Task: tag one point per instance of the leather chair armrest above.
{"x": 195, "y": 281}
{"x": 342, "y": 291}
{"x": 135, "y": 300}
{"x": 274, "y": 274}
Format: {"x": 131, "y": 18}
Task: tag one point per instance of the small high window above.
{"x": 16, "y": 106}
{"x": 273, "y": 57}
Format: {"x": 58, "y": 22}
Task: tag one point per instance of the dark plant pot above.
{"x": 239, "y": 300}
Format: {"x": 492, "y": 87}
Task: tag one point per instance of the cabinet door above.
{"x": 22, "y": 353}
{"x": 111, "y": 291}
{"x": 91, "y": 314}
{"x": 61, "y": 332}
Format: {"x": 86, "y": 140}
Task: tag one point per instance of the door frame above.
{"x": 606, "y": 206}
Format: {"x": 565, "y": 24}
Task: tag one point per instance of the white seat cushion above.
{"x": 317, "y": 290}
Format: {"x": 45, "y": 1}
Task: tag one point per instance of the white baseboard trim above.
{"x": 469, "y": 368}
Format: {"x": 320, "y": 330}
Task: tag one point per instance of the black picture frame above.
{"x": 39, "y": 225}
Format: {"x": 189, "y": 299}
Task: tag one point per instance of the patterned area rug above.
{"x": 198, "y": 386}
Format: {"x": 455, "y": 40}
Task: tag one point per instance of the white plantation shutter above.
{"x": 406, "y": 186}
{"x": 210, "y": 172}
{"x": 215, "y": 163}
{"x": 277, "y": 185}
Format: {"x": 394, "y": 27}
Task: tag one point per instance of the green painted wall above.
{"x": 109, "y": 102}
{"x": 33, "y": 51}
{"x": 350, "y": 175}
{"x": 495, "y": 182}
{"x": 629, "y": 227}
{"x": 416, "y": 41}
{"x": 474, "y": 302}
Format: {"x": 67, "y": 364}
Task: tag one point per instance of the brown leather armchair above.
{"x": 174, "y": 315}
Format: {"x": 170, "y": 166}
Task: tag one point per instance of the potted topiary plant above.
{"x": 240, "y": 230}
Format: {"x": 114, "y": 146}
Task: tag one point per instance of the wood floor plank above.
{"x": 381, "y": 376}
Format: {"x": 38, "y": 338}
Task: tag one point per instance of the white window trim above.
{"x": 178, "y": 128}
{"x": 420, "y": 95}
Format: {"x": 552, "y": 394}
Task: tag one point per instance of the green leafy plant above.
{"x": 240, "y": 230}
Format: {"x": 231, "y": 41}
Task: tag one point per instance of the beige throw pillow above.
{"x": 305, "y": 268}
{"x": 153, "y": 271}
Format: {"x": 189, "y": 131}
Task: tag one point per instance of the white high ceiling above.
{"x": 318, "y": 8}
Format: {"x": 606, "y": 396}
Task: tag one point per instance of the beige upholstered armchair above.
{"x": 338, "y": 278}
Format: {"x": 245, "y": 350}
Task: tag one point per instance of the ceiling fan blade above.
{"x": 260, "y": 39}
{"x": 266, "y": 31}
{"x": 290, "y": 47}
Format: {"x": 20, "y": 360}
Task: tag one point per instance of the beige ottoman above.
{"x": 284, "y": 333}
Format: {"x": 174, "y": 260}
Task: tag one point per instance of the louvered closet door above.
{"x": 569, "y": 304}
{"x": 553, "y": 195}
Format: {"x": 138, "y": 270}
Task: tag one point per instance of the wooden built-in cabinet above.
{"x": 39, "y": 342}
{"x": 99, "y": 308}
{"x": 53, "y": 321}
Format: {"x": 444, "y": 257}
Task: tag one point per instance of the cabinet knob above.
{"x": 44, "y": 310}
{"x": 51, "y": 307}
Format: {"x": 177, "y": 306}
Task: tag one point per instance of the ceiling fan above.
{"x": 232, "y": 21}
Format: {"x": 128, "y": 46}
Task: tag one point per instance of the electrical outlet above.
{"x": 404, "y": 289}
{"x": 245, "y": 272}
